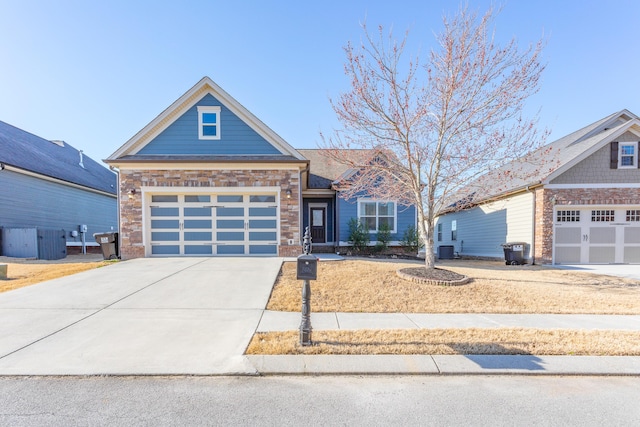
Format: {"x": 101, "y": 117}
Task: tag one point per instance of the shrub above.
{"x": 358, "y": 235}
{"x": 384, "y": 237}
{"x": 411, "y": 240}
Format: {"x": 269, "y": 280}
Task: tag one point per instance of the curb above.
{"x": 446, "y": 365}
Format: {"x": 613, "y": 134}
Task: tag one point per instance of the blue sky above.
{"x": 94, "y": 73}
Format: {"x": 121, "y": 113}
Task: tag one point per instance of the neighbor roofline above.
{"x": 622, "y": 128}
{"x": 523, "y": 189}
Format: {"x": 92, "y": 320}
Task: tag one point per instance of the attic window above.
{"x": 208, "y": 122}
{"x": 628, "y": 155}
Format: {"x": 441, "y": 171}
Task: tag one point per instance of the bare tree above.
{"x": 436, "y": 127}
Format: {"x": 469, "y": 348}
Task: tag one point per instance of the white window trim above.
{"x": 208, "y": 109}
{"x": 395, "y": 212}
{"x": 635, "y": 155}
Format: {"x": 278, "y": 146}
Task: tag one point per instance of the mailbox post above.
{"x": 307, "y": 269}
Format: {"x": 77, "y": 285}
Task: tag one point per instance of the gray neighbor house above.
{"x": 50, "y": 185}
{"x": 583, "y": 207}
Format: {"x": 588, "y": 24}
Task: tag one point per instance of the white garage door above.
{"x": 212, "y": 224}
{"x": 597, "y": 236}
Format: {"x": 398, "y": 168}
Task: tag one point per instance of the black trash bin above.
{"x": 108, "y": 244}
{"x": 514, "y": 253}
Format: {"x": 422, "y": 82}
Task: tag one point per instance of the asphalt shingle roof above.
{"x": 323, "y": 170}
{"x": 29, "y": 152}
{"x": 540, "y": 164}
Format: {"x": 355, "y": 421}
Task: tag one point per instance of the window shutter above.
{"x": 614, "y": 155}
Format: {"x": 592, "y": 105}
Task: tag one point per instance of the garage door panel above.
{"x": 270, "y": 211}
{"x": 224, "y": 212}
{"x": 262, "y": 223}
{"x": 165, "y": 236}
{"x": 263, "y": 249}
{"x": 230, "y": 224}
{"x": 198, "y": 250}
{"x": 568, "y": 235}
{"x": 262, "y": 236}
{"x": 602, "y": 235}
{"x": 632, "y": 235}
{"x": 231, "y": 250}
{"x": 197, "y": 211}
{"x": 194, "y": 236}
{"x": 157, "y": 211}
{"x": 234, "y": 236}
{"x": 197, "y": 223}
{"x": 165, "y": 224}
{"x": 165, "y": 249}
{"x": 570, "y": 255}
{"x": 632, "y": 255}
{"x": 602, "y": 255}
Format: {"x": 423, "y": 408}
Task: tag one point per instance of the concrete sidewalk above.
{"x": 446, "y": 364}
{"x": 287, "y": 321}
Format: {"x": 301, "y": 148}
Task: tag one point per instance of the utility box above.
{"x": 52, "y": 244}
{"x": 39, "y": 243}
{"x": 307, "y": 267}
{"x": 445, "y": 252}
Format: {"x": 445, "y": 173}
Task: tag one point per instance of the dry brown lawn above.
{"x": 453, "y": 341}
{"x": 373, "y": 286}
{"x": 25, "y": 272}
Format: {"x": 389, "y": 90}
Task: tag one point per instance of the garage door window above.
{"x": 602, "y": 216}
{"x": 633, "y": 215}
{"x": 568, "y": 216}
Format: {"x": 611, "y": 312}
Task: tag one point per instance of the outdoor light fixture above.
{"x": 288, "y": 193}
{"x": 132, "y": 193}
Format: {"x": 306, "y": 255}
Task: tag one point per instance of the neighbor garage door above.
{"x": 212, "y": 224}
{"x": 597, "y": 236}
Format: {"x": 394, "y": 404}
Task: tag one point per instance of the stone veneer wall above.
{"x": 568, "y": 198}
{"x": 131, "y": 226}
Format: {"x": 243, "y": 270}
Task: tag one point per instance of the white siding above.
{"x": 482, "y": 230}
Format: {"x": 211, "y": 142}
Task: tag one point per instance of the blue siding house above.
{"x": 206, "y": 177}
{"x": 51, "y": 185}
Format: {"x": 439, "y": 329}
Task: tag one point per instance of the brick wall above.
{"x": 547, "y": 199}
{"x": 131, "y": 226}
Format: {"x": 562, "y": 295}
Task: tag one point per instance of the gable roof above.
{"x": 181, "y": 105}
{"x": 324, "y": 171}
{"x": 555, "y": 158}
{"x": 28, "y": 152}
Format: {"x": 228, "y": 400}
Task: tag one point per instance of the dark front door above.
{"x": 318, "y": 225}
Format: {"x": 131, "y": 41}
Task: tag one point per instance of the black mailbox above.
{"x": 307, "y": 267}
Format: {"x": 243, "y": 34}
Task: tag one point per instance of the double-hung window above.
{"x": 628, "y": 155}
{"x": 374, "y": 214}
{"x": 208, "y": 122}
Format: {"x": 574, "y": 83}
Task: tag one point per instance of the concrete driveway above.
{"x": 630, "y": 271}
{"x": 144, "y": 316}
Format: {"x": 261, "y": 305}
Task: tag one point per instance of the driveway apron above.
{"x": 144, "y": 316}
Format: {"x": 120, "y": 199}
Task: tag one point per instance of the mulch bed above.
{"x": 433, "y": 276}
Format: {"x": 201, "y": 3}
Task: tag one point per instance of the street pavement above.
{"x": 196, "y": 316}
